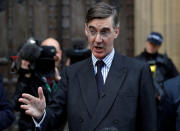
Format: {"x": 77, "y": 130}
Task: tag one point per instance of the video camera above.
{"x": 78, "y": 52}
{"x": 41, "y": 58}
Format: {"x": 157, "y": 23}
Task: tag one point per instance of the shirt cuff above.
{"x": 39, "y": 124}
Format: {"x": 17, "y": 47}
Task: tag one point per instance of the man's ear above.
{"x": 85, "y": 29}
{"x": 116, "y": 32}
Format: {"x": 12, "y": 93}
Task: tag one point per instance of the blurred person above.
{"x": 106, "y": 91}
{"x": 38, "y": 67}
{"x": 6, "y": 110}
{"x": 53, "y": 42}
{"x": 161, "y": 66}
{"x": 170, "y": 106}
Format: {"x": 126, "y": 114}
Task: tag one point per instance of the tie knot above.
{"x": 100, "y": 64}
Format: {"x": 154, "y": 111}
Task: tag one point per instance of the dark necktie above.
{"x": 99, "y": 77}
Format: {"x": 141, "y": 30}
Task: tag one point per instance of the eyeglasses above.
{"x": 104, "y": 33}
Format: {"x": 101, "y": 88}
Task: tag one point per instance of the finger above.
{"x": 41, "y": 94}
{"x": 28, "y": 96}
{"x": 23, "y": 100}
{"x": 25, "y": 107}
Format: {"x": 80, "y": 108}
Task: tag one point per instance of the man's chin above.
{"x": 99, "y": 55}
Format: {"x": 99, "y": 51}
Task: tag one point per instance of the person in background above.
{"x": 78, "y": 53}
{"x": 39, "y": 67}
{"x": 53, "y": 42}
{"x": 170, "y": 106}
{"x": 161, "y": 66}
{"x": 6, "y": 109}
{"x": 106, "y": 91}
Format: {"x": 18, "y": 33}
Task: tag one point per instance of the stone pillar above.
{"x": 161, "y": 16}
{"x": 172, "y": 33}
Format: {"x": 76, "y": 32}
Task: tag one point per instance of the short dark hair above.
{"x": 102, "y": 10}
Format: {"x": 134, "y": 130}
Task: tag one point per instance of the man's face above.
{"x": 101, "y": 35}
{"x": 152, "y": 48}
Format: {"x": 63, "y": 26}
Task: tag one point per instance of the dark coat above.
{"x": 164, "y": 65}
{"x": 127, "y": 102}
{"x": 6, "y": 110}
{"x": 170, "y": 106}
{"x": 165, "y": 69}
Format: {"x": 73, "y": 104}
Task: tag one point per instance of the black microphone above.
{"x": 30, "y": 52}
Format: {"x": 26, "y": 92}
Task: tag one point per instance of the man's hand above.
{"x": 57, "y": 75}
{"x": 25, "y": 64}
{"x": 34, "y": 106}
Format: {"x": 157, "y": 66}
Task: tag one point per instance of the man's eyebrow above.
{"x": 105, "y": 29}
{"x": 91, "y": 27}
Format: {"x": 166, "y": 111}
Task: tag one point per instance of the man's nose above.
{"x": 98, "y": 38}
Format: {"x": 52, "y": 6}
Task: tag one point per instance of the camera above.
{"x": 41, "y": 59}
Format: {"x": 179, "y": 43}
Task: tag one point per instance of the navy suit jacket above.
{"x": 126, "y": 104}
{"x": 6, "y": 110}
{"x": 170, "y": 106}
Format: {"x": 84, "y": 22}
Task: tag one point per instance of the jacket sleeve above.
{"x": 6, "y": 110}
{"x": 147, "y": 112}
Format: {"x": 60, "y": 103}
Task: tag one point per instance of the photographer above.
{"x": 38, "y": 67}
{"x": 58, "y": 56}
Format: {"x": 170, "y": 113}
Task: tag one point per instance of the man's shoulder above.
{"x": 163, "y": 56}
{"x": 130, "y": 61}
{"x": 78, "y": 65}
{"x": 141, "y": 55}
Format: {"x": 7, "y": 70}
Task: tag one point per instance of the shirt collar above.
{"x": 107, "y": 60}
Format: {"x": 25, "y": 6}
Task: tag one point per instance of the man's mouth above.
{"x": 98, "y": 48}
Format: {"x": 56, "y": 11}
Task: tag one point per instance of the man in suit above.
{"x": 106, "y": 91}
{"x": 169, "y": 106}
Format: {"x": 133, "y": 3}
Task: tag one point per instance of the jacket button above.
{"x": 81, "y": 120}
{"x": 116, "y": 121}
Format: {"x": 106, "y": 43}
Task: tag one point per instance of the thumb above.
{"x": 40, "y": 93}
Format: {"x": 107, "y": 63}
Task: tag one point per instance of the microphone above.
{"x": 30, "y": 52}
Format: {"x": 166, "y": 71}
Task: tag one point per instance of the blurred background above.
{"x": 64, "y": 20}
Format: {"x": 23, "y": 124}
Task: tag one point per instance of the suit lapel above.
{"x": 113, "y": 83}
{"x": 88, "y": 86}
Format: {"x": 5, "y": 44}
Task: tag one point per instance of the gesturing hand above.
{"x": 34, "y": 106}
